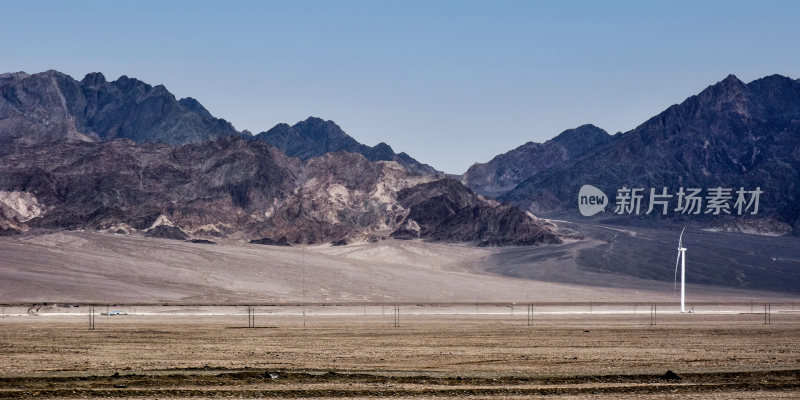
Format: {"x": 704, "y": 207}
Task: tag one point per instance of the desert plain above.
{"x": 171, "y": 321}
{"x": 730, "y": 356}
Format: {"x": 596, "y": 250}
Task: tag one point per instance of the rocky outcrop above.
{"x": 270, "y": 242}
{"x": 10, "y": 225}
{"x": 445, "y": 210}
{"x": 343, "y": 196}
{"x": 167, "y": 232}
{"x": 16, "y": 208}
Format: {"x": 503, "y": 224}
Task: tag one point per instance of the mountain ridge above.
{"x": 730, "y": 134}
{"x": 51, "y": 106}
{"x": 505, "y": 171}
{"x": 247, "y": 190}
{"x": 314, "y": 137}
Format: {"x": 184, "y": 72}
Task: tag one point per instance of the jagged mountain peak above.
{"x": 125, "y": 82}
{"x": 585, "y": 128}
{"x": 15, "y": 75}
{"x": 48, "y": 73}
{"x": 194, "y": 105}
{"x": 383, "y": 146}
{"x": 51, "y": 106}
{"x": 315, "y": 136}
{"x": 731, "y": 84}
{"x": 93, "y": 79}
{"x": 383, "y": 151}
{"x": 731, "y": 80}
{"x": 774, "y": 79}
{"x": 328, "y": 127}
{"x": 312, "y": 120}
{"x": 581, "y": 139}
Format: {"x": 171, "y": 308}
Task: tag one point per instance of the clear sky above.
{"x": 449, "y": 82}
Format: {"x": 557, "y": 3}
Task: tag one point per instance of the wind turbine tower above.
{"x": 682, "y": 260}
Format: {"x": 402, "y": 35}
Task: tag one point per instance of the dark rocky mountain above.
{"x": 731, "y": 135}
{"x": 53, "y": 107}
{"x": 346, "y": 198}
{"x": 447, "y": 210}
{"x": 504, "y": 172}
{"x": 94, "y": 154}
{"x": 315, "y": 137}
{"x": 124, "y": 186}
{"x": 243, "y": 189}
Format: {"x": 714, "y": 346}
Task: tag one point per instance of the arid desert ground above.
{"x": 325, "y": 324}
{"x": 724, "y": 356}
{"x": 104, "y": 268}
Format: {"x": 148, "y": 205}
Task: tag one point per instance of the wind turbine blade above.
{"x": 680, "y": 246}
{"x": 675, "y": 282}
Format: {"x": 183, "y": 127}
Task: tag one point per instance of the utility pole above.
{"x": 767, "y": 314}
{"x": 251, "y": 316}
{"x": 91, "y": 318}
{"x": 530, "y": 314}
{"x": 653, "y": 311}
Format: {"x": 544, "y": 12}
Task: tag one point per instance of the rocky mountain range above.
{"x": 128, "y": 157}
{"x": 125, "y": 156}
{"x": 505, "y": 171}
{"x": 235, "y": 188}
{"x": 315, "y": 137}
{"x": 730, "y": 135}
{"x": 53, "y": 107}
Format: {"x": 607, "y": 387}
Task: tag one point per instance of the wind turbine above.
{"x": 682, "y": 260}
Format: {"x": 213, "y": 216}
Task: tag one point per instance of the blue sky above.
{"x": 449, "y": 82}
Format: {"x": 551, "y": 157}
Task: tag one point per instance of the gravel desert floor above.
{"x": 570, "y": 356}
{"x": 325, "y": 324}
